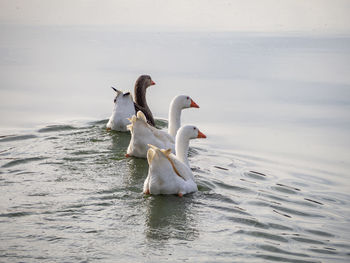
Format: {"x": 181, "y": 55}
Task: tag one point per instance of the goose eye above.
{"x": 188, "y": 98}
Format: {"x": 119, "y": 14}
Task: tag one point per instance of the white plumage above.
{"x": 142, "y": 133}
{"x": 168, "y": 173}
{"x": 123, "y": 109}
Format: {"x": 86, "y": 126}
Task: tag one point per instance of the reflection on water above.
{"x": 120, "y": 142}
{"x": 168, "y": 217}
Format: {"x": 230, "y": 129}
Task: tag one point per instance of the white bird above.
{"x": 143, "y": 134}
{"x": 125, "y": 108}
{"x": 169, "y": 173}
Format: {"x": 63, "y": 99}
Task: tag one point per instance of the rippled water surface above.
{"x": 69, "y": 194}
{"x": 273, "y": 173}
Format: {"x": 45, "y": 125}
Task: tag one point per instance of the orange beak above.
{"x": 201, "y": 135}
{"x": 193, "y": 104}
{"x": 152, "y": 83}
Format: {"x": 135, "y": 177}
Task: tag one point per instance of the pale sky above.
{"x": 320, "y": 16}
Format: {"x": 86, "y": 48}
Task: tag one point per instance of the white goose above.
{"x": 143, "y": 134}
{"x": 123, "y": 109}
{"x": 169, "y": 173}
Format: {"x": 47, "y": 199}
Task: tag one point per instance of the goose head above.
{"x": 189, "y": 132}
{"x": 183, "y": 102}
{"x": 182, "y": 140}
{"x": 176, "y": 106}
{"x": 122, "y": 97}
{"x": 143, "y": 82}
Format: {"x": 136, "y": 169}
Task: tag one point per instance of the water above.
{"x": 273, "y": 174}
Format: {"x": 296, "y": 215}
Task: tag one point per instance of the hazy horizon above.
{"x": 315, "y": 16}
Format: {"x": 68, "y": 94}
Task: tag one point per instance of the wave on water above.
{"x": 9, "y": 138}
{"x": 55, "y": 128}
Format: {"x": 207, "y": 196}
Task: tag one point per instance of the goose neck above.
{"x": 140, "y": 95}
{"x": 174, "y": 119}
{"x": 181, "y": 147}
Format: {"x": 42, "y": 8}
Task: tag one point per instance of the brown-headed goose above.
{"x": 125, "y": 107}
{"x": 141, "y": 85}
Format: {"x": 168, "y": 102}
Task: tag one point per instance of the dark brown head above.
{"x": 143, "y": 82}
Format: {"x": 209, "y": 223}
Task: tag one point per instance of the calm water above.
{"x": 273, "y": 173}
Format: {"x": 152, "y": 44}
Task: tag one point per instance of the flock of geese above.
{"x": 166, "y": 152}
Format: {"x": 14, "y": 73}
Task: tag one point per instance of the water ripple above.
{"x": 307, "y": 240}
{"x": 231, "y": 187}
{"x": 275, "y": 249}
{"x": 264, "y": 235}
{"x": 285, "y": 259}
{"x": 10, "y": 138}
{"x": 22, "y": 161}
{"x": 15, "y": 214}
{"x": 246, "y": 221}
{"x": 56, "y": 128}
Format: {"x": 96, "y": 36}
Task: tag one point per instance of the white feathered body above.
{"x": 167, "y": 174}
{"x": 143, "y": 134}
{"x": 122, "y": 111}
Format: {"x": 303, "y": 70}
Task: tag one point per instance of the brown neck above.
{"x": 140, "y": 93}
{"x": 140, "y": 100}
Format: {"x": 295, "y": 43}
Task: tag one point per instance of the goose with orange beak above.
{"x": 143, "y": 134}
{"x": 125, "y": 107}
{"x": 169, "y": 173}
{"x": 141, "y": 86}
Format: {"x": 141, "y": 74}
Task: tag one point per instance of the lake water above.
{"x": 273, "y": 173}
